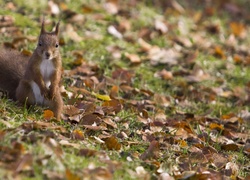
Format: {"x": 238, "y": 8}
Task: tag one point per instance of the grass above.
{"x": 191, "y": 104}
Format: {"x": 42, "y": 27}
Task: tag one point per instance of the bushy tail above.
{"x": 12, "y": 69}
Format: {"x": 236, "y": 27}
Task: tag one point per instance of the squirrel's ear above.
{"x": 57, "y": 28}
{"x": 42, "y": 28}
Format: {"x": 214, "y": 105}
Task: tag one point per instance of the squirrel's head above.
{"x": 48, "y": 43}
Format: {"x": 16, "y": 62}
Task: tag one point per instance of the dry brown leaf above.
{"x": 87, "y": 152}
{"x": 90, "y": 119}
{"x": 157, "y": 56}
{"x": 219, "y": 52}
{"x": 161, "y": 26}
{"x": 98, "y": 173}
{"x": 122, "y": 75}
{"x": 109, "y": 121}
{"x": 238, "y": 29}
{"x": 48, "y": 114}
{"x": 111, "y": 6}
{"x": 69, "y": 144}
{"x": 77, "y": 134}
{"x": 71, "y": 176}
{"x": 230, "y": 147}
{"x": 162, "y": 100}
{"x": 95, "y": 128}
{"x": 54, "y": 146}
{"x": 165, "y": 75}
{"x": 145, "y": 46}
{"x": 134, "y": 58}
{"x": 112, "y": 143}
{"x": 216, "y": 126}
{"x": 25, "y": 163}
{"x": 6, "y": 20}
{"x": 114, "y": 91}
{"x": 53, "y": 7}
{"x": 87, "y": 9}
{"x": 71, "y": 110}
{"x": 152, "y": 151}
{"x": 219, "y": 160}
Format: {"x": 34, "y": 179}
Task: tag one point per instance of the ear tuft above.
{"x": 42, "y": 28}
{"x": 57, "y": 28}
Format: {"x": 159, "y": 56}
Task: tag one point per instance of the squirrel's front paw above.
{"x": 45, "y": 95}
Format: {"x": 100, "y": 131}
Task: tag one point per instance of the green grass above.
{"x": 195, "y": 104}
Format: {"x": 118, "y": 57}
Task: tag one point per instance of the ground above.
{"x": 152, "y": 90}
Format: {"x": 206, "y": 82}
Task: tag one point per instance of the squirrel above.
{"x": 35, "y": 81}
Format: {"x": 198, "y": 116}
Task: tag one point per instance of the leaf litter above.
{"x": 194, "y": 125}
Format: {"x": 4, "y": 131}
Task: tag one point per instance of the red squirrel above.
{"x": 35, "y": 82}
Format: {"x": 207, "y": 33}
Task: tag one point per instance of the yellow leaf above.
{"x": 71, "y": 176}
{"x": 183, "y": 143}
{"x": 102, "y": 97}
{"x": 216, "y": 126}
{"x": 78, "y": 61}
{"x": 237, "y": 29}
{"x": 48, "y": 114}
{"x": 219, "y": 52}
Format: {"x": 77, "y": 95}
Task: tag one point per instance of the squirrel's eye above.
{"x": 40, "y": 44}
{"x": 57, "y": 45}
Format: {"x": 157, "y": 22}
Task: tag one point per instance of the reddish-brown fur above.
{"x": 12, "y": 68}
{"x": 30, "y": 73}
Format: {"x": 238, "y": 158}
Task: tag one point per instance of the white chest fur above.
{"x": 47, "y": 68}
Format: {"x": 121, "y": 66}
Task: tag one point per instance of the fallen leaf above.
{"x": 112, "y": 143}
{"x": 110, "y": 122}
{"x": 238, "y": 29}
{"x": 114, "y": 91}
{"x": 25, "y": 163}
{"x": 218, "y": 160}
{"x": 111, "y": 6}
{"x": 145, "y": 46}
{"x": 101, "y": 97}
{"x": 71, "y": 176}
{"x": 152, "y": 151}
{"x": 90, "y": 119}
{"x": 230, "y": 147}
{"x": 219, "y": 52}
{"x": 87, "y": 152}
{"x": 164, "y": 74}
{"x": 77, "y": 134}
{"x": 216, "y": 126}
{"x": 54, "y": 8}
{"x": 71, "y": 110}
{"x": 112, "y": 106}
{"x": 113, "y": 31}
{"x": 157, "y": 56}
{"x": 134, "y": 58}
{"x": 161, "y": 26}
{"x": 48, "y": 114}
{"x": 69, "y": 144}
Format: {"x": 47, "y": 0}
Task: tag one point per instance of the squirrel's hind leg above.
{"x": 56, "y": 105}
{"x": 24, "y": 93}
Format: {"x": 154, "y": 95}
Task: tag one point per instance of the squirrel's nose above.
{"x": 47, "y": 54}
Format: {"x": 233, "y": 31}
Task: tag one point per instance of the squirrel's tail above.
{"x": 12, "y": 69}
